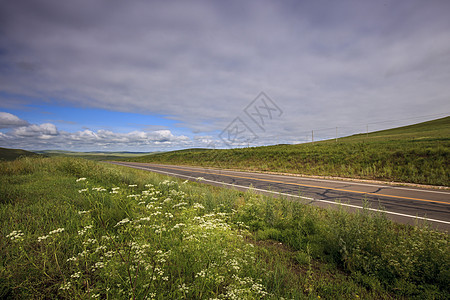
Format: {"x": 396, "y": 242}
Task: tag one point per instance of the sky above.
{"x": 114, "y": 75}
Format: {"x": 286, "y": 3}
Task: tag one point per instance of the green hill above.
{"x": 417, "y": 153}
{"x": 11, "y": 154}
{"x": 93, "y": 155}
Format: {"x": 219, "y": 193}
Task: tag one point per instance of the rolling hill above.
{"x": 93, "y": 155}
{"x": 11, "y": 154}
{"x": 418, "y": 153}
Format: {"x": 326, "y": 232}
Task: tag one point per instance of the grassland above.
{"x": 97, "y": 155}
{"x": 76, "y": 229}
{"x": 7, "y": 154}
{"x": 418, "y": 153}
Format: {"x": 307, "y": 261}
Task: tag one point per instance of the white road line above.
{"x": 319, "y": 180}
{"x": 290, "y": 195}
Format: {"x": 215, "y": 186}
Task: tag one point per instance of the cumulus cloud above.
{"x": 47, "y": 136}
{"x": 42, "y": 130}
{"x": 8, "y": 120}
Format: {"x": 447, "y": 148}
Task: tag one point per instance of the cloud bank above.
{"x": 46, "y": 136}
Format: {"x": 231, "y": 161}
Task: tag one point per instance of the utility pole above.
{"x": 336, "y": 134}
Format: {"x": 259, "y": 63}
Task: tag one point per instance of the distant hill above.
{"x": 7, "y": 154}
{"x": 418, "y": 153}
{"x": 94, "y": 155}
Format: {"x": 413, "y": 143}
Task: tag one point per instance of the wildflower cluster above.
{"x": 166, "y": 245}
{"x": 16, "y": 235}
{"x": 53, "y": 232}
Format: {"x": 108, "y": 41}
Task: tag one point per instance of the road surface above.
{"x": 402, "y": 204}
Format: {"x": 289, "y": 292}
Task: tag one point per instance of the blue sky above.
{"x": 156, "y": 76}
{"x": 75, "y": 118}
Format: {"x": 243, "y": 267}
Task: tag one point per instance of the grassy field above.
{"x": 98, "y": 156}
{"x": 76, "y": 229}
{"x": 7, "y": 154}
{"x": 417, "y": 154}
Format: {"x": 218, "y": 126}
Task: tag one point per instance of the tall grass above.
{"x": 406, "y": 260}
{"x": 72, "y": 228}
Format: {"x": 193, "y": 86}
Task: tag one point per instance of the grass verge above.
{"x": 123, "y": 233}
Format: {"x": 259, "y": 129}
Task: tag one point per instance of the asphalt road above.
{"x": 402, "y": 204}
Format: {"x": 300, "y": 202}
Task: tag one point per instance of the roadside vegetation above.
{"x": 76, "y": 229}
{"x": 415, "y": 154}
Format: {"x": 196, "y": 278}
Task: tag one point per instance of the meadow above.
{"x": 78, "y": 229}
{"x": 418, "y": 154}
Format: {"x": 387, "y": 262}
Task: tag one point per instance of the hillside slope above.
{"x": 11, "y": 154}
{"x": 416, "y": 154}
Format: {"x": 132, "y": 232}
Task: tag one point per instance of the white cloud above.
{"x": 47, "y": 136}
{"x": 46, "y": 129}
{"x": 8, "y": 120}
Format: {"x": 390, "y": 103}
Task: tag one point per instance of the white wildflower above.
{"x": 84, "y": 229}
{"x": 99, "y": 189}
{"x": 109, "y": 254}
{"x": 90, "y": 241}
{"x": 44, "y": 237}
{"x": 179, "y": 225}
{"x": 183, "y": 288}
{"x": 202, "y": 274}
{"x": 198, "y": 206}
{"x": 179, "y": 204}
{"x": 58, "y": 230}
{"x": 15, "y": 235}
{"x": 98, "y": 265}
{"x": 124, "y": 221}
{"x": 65, "y": 286}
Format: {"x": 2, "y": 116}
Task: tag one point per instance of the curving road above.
{"x": 402, "y": 204}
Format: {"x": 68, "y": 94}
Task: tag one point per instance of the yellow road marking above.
{"x": 306, "y": 185}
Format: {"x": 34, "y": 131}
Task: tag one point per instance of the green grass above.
{"x": 416, "y": 154}
{"x": 7, "y": 154}
{"x": 98, "y": 156}
{"x": 123, "y": 233}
